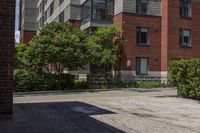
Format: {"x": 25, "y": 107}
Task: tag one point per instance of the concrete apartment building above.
{"x": 155, "y": 31}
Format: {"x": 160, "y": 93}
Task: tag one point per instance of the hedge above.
{"x": 185, "y": 74}
{"x": 80, "y": 84}
{"x": 34, "y": 81}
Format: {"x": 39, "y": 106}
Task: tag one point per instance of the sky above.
{"x": 17, "y": 33}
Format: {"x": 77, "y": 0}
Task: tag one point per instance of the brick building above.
{"x": 7, "y": 28}
{"x": 155, "y": 31}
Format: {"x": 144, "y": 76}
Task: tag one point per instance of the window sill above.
{"x": 186, "y": 46}
{"x": 186, "y": 17}
{"x": 142, "y": 75}
{"x": 143, "y": 45}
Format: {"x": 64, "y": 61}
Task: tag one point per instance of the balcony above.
{"x": 96, "y": 13}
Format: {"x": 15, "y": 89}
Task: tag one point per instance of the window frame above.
{"x": 140, "y": 37}
{"x": 62, "y": 17}
{"x": 51, "y": 8}
{"x": 107, "y": 17}
{"x": 181, "y": 38}
{"x": 139, "y": 7}
{"x": 188, "y": 9}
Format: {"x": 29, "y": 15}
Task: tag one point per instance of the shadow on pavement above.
{"x": 57, "y": 117}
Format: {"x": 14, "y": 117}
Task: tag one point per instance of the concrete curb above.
{"x": 90, "y": 90}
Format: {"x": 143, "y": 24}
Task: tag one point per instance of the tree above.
{"x": 60, "y": 46}
{"x": 105, "y": 44}
{"x": 19, "y": 54}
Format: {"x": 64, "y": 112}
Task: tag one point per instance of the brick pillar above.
{"x": 164, "y": 38}
{"x": 7, "y": 28}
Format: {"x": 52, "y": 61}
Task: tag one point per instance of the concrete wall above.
{"x": 71, "y": 10}
{"x": 29, "y": 15}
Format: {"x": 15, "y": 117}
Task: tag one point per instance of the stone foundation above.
{"x": 130, "y": 76}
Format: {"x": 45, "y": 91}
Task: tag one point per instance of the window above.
{"x": 185, "y": 38}
{"x": 185, "y": 8}
{"x": 99, "y": 10}
{"x": 60, "y": 2}
{"x": 86, "y": 12}
{"x": 41, "y": 8}
{"x": 45, "y": 15}
{"x": 142, "y": 36}
{"x": 142, "y": 65}
{"x": 61, "y": 17}
{"x": 142, "y": 6}
{"x": 51, "y": 8}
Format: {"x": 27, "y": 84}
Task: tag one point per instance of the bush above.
{"x": 32, "y": 81}
{"x": 67, "y": 81}
{"x": 185, "y": 74}
{"x": 80, "y": 84}
{"x": 141, "y": 84}
{"x": 151, "y": 84}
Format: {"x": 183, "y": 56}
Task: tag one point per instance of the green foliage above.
{"x": 19, "y": 54}
{"x": 80, "y": 84}
{"x": 105, "y": 45}
{"x": 32, "y": 81}
{"x": 57, "y": 44}
{"x": 151, "y": 84}
{"x": 38, "y": 81}
{"x": 141, "y": 84}
{"x": 62, "y": 47}
{"x": 67, "y": 81}
{"x": 185, "y": 74}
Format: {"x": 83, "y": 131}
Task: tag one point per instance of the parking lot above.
{"x": 128, "y": 110}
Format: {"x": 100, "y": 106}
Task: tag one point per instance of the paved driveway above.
{"x": 132, "y": 111}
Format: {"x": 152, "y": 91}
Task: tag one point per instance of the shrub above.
{"x": 32, "y": 81}
{"x": 151, "y": 84}
{"x": 67, "y": 81}
{"x": 185, "y": 74}
{"x": 80, "y": 84}
{"x": 35, "y": 81}
{"x": 140, "y": 84}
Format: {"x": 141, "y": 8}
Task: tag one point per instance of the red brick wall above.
{"x": 131, "y": 50}
{"x": 175, "y": 23}
{"x": 26, "y": 36}
{"x": 75, "y": 23}
{"x": 164, "y": 35}
{"x": 7, "y": 24}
